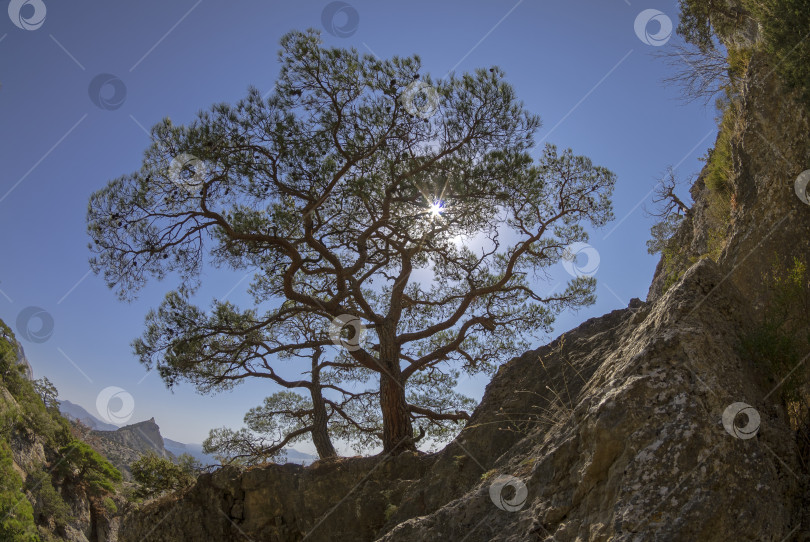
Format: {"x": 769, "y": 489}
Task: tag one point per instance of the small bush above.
{"x": 157, "y": 475}
{"x": 16, "y": 512}
{"x": 49, "y": 503}
{"x": 785, "y": 25}
{"x": 109, "y": 506}
{"x": 390, "y": 510}
{"x": 780, "y": 340}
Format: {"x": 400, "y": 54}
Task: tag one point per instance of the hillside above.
{"x": 53, "y": 486}
{"x": 125, "y": 445}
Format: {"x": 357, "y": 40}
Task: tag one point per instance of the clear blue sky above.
{"x": 579, "y": 65}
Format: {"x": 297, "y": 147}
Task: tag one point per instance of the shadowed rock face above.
{"x": 340, "y": 499}
{"x": 643, "y": 454}
{"x": 615, "y": 429}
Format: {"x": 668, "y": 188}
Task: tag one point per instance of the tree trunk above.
{"x": 320, "y": 433}
{"x": 397, "y": 428}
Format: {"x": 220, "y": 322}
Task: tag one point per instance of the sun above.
{"x": 436, "y": 209}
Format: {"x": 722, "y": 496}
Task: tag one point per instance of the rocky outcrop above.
{"x": 345, "y": 499}
{"x": 19, "y": 352}
{"x": 615, "y": 430}
{"x": 640, "y": 452}
{"x": 127, "y": 444}
{"x": 768, "y": 224}
{"x": 32, "y": 454}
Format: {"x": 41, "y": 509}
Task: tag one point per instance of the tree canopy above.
{"x": 405, "y": 220}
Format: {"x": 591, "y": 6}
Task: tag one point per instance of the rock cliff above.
{"x": 614, "y": 431}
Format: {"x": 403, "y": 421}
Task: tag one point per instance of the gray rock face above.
{"x": 615, "y": 429}
{"x": 127, "y": 444}
{"x": 342, "y": 500}
{"x": 768, "y": 224}
{"x": 640, "y": 451}
{"x": 643, "y": 424}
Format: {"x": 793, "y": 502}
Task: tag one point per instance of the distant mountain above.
{"x": 299, "y": 458}
{"x": 127, "y": 444}
{"x": 75, "y": 412}
{"x": 194, "y": 450}
{"x": 124, "y": 445}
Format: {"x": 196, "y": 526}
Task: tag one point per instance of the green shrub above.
{"x": 109, "y": 506}
{"x": 157, "y": 475}
{"x": 390, "y": 510}
{"x": 780, "y": 340}
{"x": 50, "y": 503}
{"x": 88, "y": 467}
{"x": 31, "y": 416}
{"x": 16, "y": 512}
{"x": 785, "y": 26}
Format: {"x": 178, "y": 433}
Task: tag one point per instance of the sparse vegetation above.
{"x": 786, "y": 28}
{"x": 16, "y": 512}
{"x": 158, "y": 475}
{"x": 390, "y": 510}
{"x": 49, "y": 504}
{"x": 109, "y": 506}
{"x": 489, "y": 474}
{"x": 781, "y": 338}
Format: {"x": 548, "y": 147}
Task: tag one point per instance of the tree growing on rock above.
{"x": 668, "y": 209}
{"x": 407, "y": 216}
{"x": 156, "y": 475}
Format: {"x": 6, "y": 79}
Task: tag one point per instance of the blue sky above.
{"x": 579, "y": 65}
